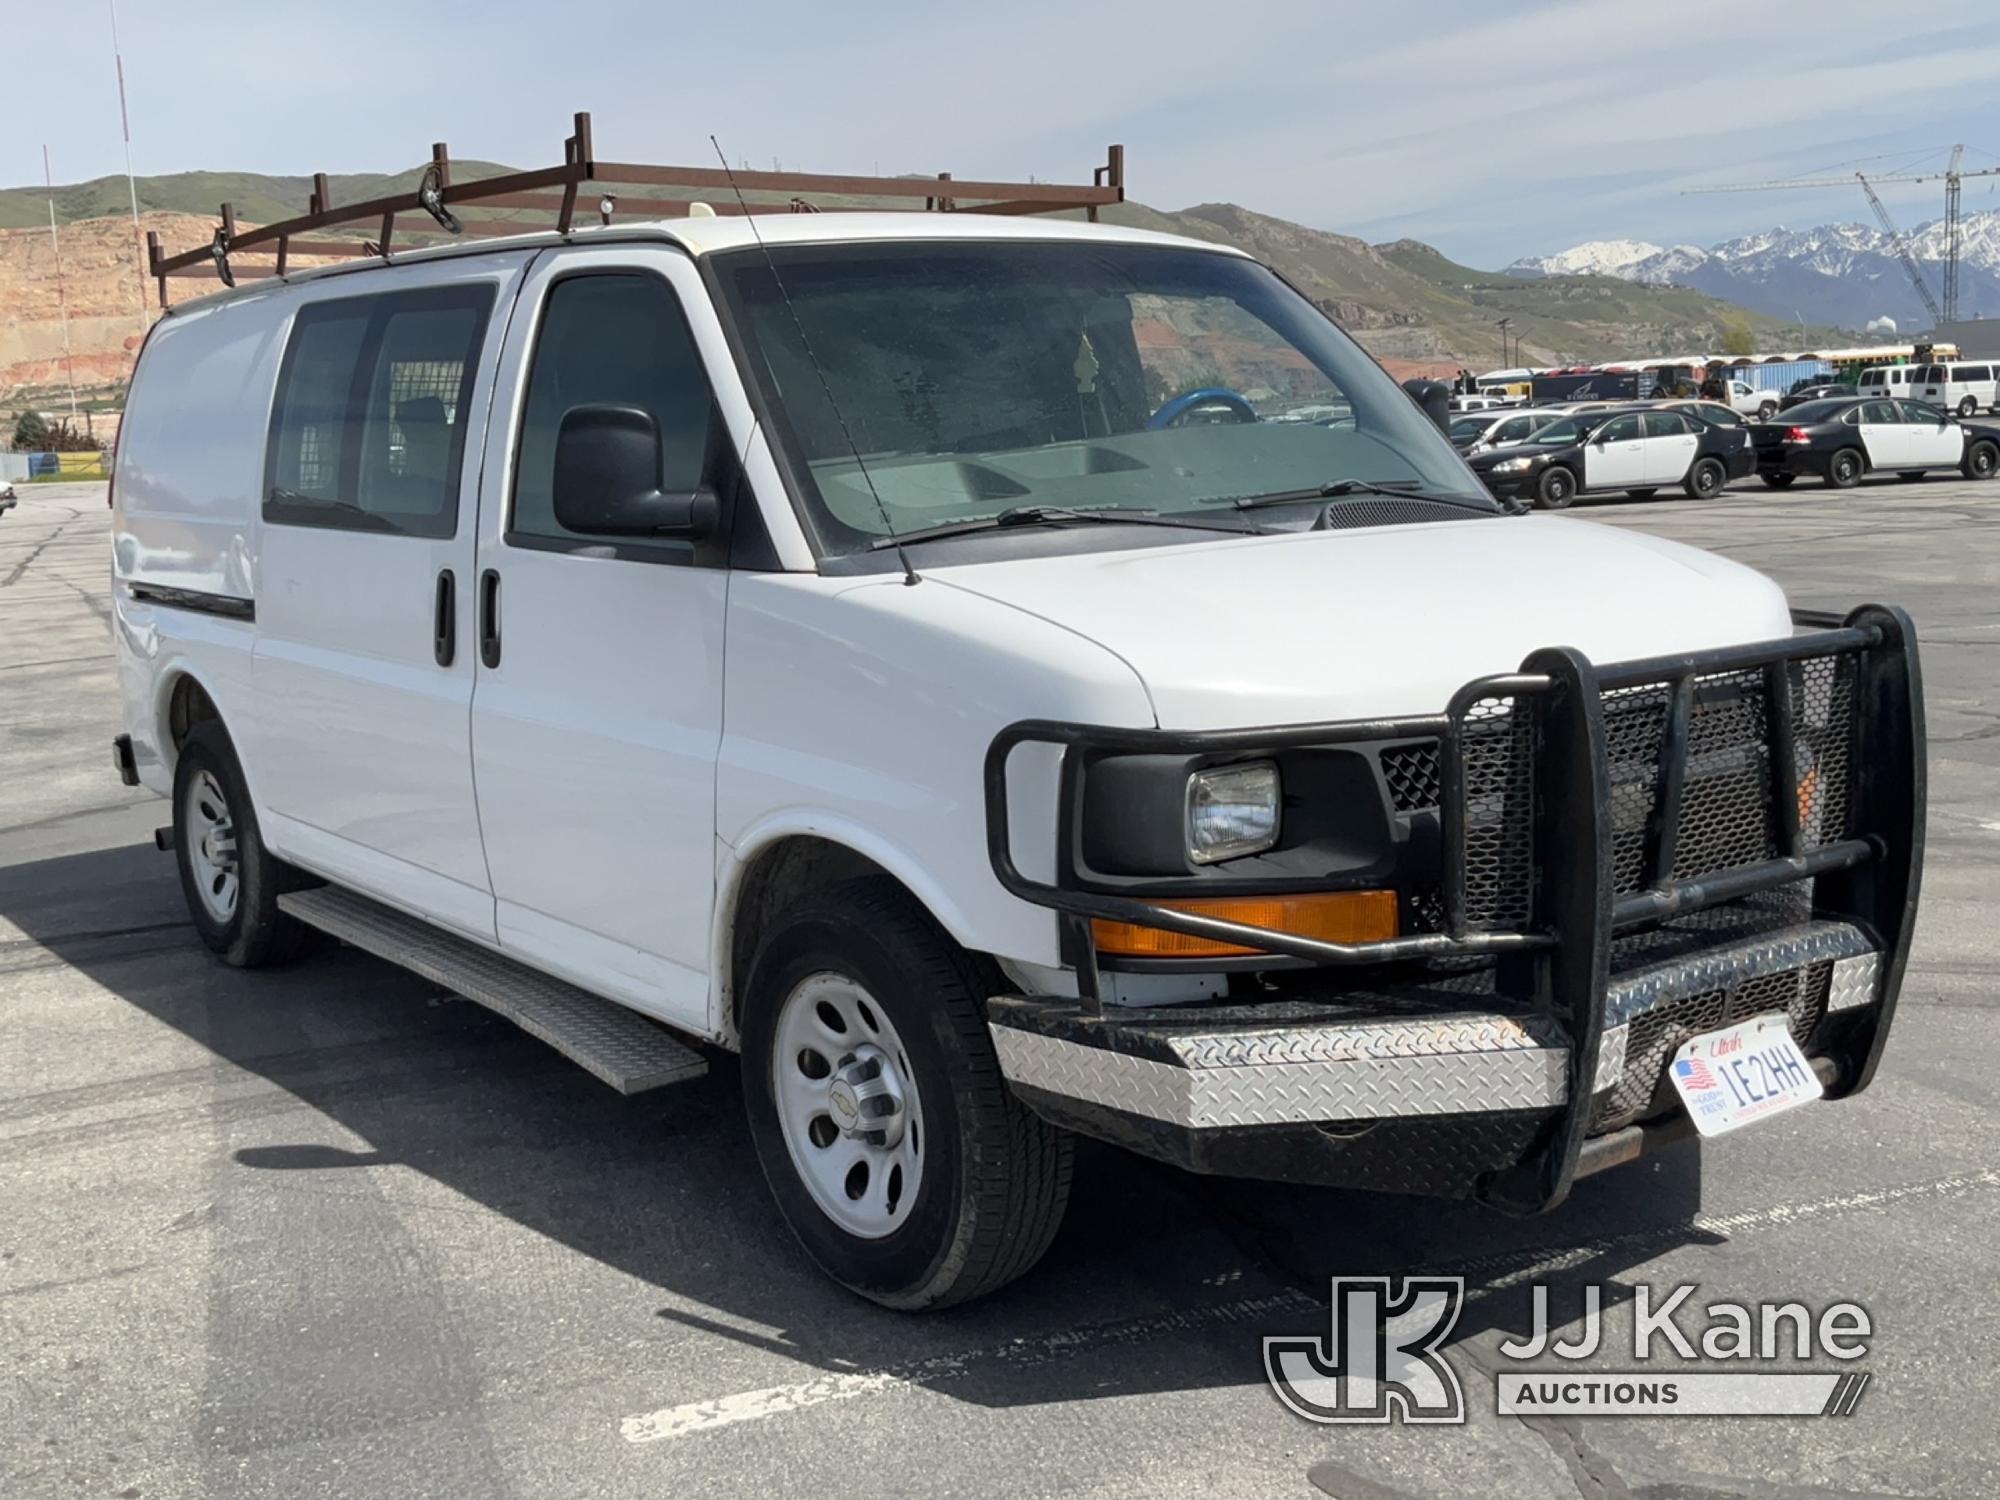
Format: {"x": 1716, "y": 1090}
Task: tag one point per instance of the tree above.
{"x": 1737, "y": 339}
{"x": 31, "y": 433}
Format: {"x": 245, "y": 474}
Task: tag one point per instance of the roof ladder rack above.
{"x": 554, "y": 190}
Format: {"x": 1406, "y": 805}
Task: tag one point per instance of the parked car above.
{"x": 1476, "y": 432}
{"x": 1640, "y": 450}
{"x": 1959, "y": 386}
{"x": 8, "y": 499}
{"x": 1467, "y": 403}
{"x": 525, "y": 613}
{"x": 1800, "y": 394}
{"x": 1839, "y": 441}
{"x": 1712, "y": 412}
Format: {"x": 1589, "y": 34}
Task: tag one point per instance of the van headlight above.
{"x": 1232, "y": 811}
{"x": 1513, "y": 465}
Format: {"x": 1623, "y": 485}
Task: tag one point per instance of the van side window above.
{"x": 366, "y": 430}
{"x": 619, "y": 339}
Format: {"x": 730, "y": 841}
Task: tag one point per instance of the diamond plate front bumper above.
{"x": 1390, "y": 1089}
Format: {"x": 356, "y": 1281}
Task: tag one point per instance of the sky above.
{"x": 1491, "y": 130}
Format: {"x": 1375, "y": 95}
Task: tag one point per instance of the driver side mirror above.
{"x": 609, "y": 461}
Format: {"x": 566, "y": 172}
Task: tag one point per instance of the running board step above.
{"x": 620, "y": 1046}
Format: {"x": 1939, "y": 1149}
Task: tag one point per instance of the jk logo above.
{"x": 1378, "y": 1359}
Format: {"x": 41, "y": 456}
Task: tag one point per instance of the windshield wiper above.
{"x": 1054, "y": 515}
{"x": 1400, "y": 489}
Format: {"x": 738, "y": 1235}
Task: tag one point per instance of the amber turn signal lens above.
{"x": 1330, "y": 916}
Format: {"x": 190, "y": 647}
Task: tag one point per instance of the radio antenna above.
{"x": 771, "y": 265}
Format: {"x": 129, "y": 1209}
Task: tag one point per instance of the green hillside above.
{"x": 258, "y": 198}
{"x": 1404, "y": 300}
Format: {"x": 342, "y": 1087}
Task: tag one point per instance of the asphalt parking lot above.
{"x": 327, "y": 1231}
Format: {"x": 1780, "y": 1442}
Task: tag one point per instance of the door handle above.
{"x": 444, "y": 620}
{"x": 489, "y": 618}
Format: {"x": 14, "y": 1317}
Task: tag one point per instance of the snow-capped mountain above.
{"x": 1594, "y": 258}
{"x": 1845, "y": 274}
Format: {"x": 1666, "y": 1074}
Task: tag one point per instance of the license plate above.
{"x": 1742, "y": 1074}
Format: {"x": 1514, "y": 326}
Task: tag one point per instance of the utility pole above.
{"x": 131, "y": 184}
{"x": 1505, "y": 363}
{"x": 62, "y": 299}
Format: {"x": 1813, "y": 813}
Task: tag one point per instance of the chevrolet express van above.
{"x": 1010, "y": 680}
{"x": 1961, "y": 386}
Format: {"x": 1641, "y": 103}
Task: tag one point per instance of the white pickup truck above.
{"x": 918, "y": 651}
{"x": 1749, "y": 401}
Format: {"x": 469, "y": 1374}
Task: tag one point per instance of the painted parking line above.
{"x": 941, "y": 1369}
{"x": 779, "y": 1400}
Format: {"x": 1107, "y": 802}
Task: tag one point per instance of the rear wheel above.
{"x": 1968, "y": 406}
{"x": 1982, "y": 460}
{"x": 231, "y": 881}
{"x": 1556, "y": 488}
{"x": 1843, "y": 470}
{"x": 895, "y": 1150}
{"x": 1777, "y": 481}
{"x": 1706, "y": 479}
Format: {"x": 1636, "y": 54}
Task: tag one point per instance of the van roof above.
{"x": 710, "y": 236}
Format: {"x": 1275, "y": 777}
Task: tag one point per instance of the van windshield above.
{"x": 917, "y": 385}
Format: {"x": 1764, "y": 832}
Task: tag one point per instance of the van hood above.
{"x": 1325, "y": 625}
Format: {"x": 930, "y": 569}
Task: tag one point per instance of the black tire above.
{"x": 1844, "y": 469}
{"x": 1968, "y": 407}
{"x": 1982, "y": 460}
{"x": 1778, "y": 481}
{"x": 1642, "y": 494}
{"x": 255, "y": 933}
{"x": 1556, "y": 488}
{"x": 1706, "y": 479}
{"x": 1909, "y": 476}
{"x": 996, "y": 1176}
{"x": 1767, "y": 411}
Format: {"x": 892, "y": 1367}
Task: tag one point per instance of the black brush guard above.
{"x": 1547, "y": 860}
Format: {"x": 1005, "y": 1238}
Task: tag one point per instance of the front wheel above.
{"x": 231, "y": 881}
{"x": 1556, "y": 488}
{"x": 1982, "y": 460}
{"x": 1843, "y": 470}
{"x": 894, "y": 1148}
{"x": 1767, "y": 411}
{"x": 1705, "y": 480}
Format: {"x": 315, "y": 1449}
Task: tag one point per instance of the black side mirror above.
{"x": 607, "y": 479}
{"x": 1433, "y": 398}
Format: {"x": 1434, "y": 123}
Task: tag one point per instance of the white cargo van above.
{"x": 914, "y": 650}
{"x": 1960, "y": 386}
{"x": 1889, "y": 380}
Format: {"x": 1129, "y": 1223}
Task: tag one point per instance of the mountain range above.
{"x": 1416, "y": 310}
{"x": 1844, "y": 274}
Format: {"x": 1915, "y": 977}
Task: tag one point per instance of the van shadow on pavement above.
{"x": 664, "y": 1186}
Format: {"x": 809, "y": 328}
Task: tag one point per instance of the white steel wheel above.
{"x": 847, "y": 1105}
{"x": 211, "y": 853}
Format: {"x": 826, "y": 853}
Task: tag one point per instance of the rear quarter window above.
{"x": 368, "y": 425}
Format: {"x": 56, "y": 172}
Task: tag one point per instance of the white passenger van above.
{"x": 1959, "y": 386}
{"x": 1889, "y": 380}
{"x": 909, "y": 649}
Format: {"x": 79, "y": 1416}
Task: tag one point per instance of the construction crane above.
{"x": 1952, "y": 176}
{"x": 1902, "y": 249}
